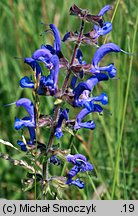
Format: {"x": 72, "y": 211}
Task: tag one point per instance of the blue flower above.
{"x": 30, "y": 142}
{"x": 63, "y": 115}
{"x": 51, "y": 62}
{"x": 84, "y": 112}
{"x": 80, "y": 165}
{"x": 101, "y": 31}
{"x": 107, "y": 26}
{"x": 26, "y": 121}
{"x": 54, "y": 160}
{"x": 26, "y": 82}
{"x": 99, "y": 54}
{"x": 88, "y": 102}
{"x": 88, "y": 85}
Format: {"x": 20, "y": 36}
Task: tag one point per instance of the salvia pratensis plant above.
{"x": 76, "y": 91}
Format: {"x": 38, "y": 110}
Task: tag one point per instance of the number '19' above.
{"x": 129, "y": 208}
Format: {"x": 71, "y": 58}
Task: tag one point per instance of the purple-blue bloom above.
{"x": 101, "y": 31}
{"x": 80, "y": 165}
{"x": 88, "y": 102}
{"x": 84, "y": 112}
{"x": 107, "y": 26}
{"x": 88, "y": 85}
{"x": 25, "y": 82}
{"x": 54, "y": 160}
{"x": 62, "y": 116}
{"x": 26, "y": 121}
{"x": 99, "y": 54}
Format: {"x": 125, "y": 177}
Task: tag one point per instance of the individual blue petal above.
{"x": 22, "y": 145}
{"x": 34, "y": 65}
{"x": 86, "y": 167}
{"x": 102, "y": 51}
{"x": 49, "y": 47}
{"x": 46, "y": 62}
{"x": 89, "y": 104}
{"x": 25, "y": 82}
{"x": 63, "y": 115}
{"x": 57, "y": 42}
{"x": 74, "y": 170}
{"x": 38, "y": 54}
{"x": 110, "y": 69}
{"x": 32, "y": 135}
{"x": 73, "y": 82}
{"x": 104, "y": 10}
{"x": 66, "y": 36}
{"x": 20, "y": 123}
{"x": 97, "y": 108}
{"x": 55, "y": 70}
{"x": 26, "y": 121}
{"x": 103, "y": 98}
{"x": 112, "y": 72}
{"x": 107, "y": 27}
{"x": 75, "y": 158}
{"x": 89, "y": 125}
{"x": 77, "y": 182}
{"x": 54, "y": 160}
{"x": 100, "y": 76}
{"x": 79, "y": 56}
{"x": 28, "y": 105}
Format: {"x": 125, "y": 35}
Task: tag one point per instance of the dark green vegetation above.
{"x": 113, "y": 146}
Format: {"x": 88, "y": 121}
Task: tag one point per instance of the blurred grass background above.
{"x": 113, "y": 146}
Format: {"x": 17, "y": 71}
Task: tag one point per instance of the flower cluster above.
{"x": 77, "y": 88}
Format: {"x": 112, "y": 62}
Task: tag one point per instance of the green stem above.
{"x": 116, "y": 173}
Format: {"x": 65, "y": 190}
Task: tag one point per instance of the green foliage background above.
{"x": 113, "y": 146}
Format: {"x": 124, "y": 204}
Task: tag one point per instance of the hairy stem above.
{"x": 36, "y": 107}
